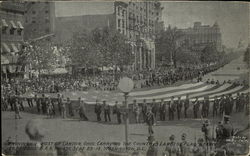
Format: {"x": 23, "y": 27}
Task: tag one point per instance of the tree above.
{"x": 167, "y": 43}
{"x": 185, "y": 56}
{"x": 40, "y": 56}
{"x": 101, "y": 47}
{"x": 246, "y": 56}
{"x": 209, "y": 54}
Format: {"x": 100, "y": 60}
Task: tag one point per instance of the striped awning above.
{"x": 4, "y": 60}
{"x": 14, "y": 48}
{"x": 20, "y": 25}
{"x": 5, "y": 47}
{"x": 4, "y": 23}
{"x": 13, "y": 25}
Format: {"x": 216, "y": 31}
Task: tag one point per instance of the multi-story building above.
{"x": 159, "y": 23}
{"x": 135, "y": 20}
{"x": 39, "y": 19}
{"x": 12, "y": 31}
{"x": 200, "y": 36}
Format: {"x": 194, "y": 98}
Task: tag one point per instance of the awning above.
{"x": 5, "y": 48}
{"x": 4, "y": 69}
{"x": 14, "y": 48}
{"x": 20, "y": 25}
{"x": 13, "y": 25}
{"x": 4, "y": 60}
{"x": 4, "y": 23}
{"x": 59, "y": 71}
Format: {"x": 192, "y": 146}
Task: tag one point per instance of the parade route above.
{"x": 72, "y": 129}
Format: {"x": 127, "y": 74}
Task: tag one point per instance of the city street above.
{"x": 74, "y": 130}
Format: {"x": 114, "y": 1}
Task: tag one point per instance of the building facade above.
{"x": 135, "y": 20}
{"x": 12, "y": 31}
{"x": 39, "y": 19}
{"x": 200, "y": 36}
{"x": 159, "y": 24}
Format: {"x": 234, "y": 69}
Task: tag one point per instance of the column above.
{"x": 140, "y": 57}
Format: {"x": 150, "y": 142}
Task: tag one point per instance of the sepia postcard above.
{"x": 124, "y": 78}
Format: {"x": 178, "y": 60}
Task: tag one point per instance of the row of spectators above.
{"x": 104, "y": 81}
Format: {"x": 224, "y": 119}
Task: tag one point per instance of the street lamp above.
{"x": 126, "y": 85}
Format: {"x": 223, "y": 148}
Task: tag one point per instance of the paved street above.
{"x": 74, "y": 130}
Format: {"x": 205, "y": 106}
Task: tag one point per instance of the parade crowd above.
{"x": 104, "y": 81}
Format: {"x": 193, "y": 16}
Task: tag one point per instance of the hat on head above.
{"x": 172, "y": 137}
{"x": 226, "y": 117}
{"x": 206, "y": 122}
{"x": 151, "y": 138}
{"x": 200, "y": 140}
{"x": 34, "y": 130}
{"x": 183, "y": 136}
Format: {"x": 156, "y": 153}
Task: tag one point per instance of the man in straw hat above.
{"x": 36, "y": 134}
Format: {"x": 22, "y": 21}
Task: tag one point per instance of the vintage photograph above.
{"x": 124, "y": 78}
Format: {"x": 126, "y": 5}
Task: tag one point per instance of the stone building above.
{"x": 39, "y": 19}
{"x": 200, "y": 36}
{"x": 135, "y": 20}
{"x": 12, "y": 31}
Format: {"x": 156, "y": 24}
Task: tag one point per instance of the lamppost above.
{"x": 126, "y": 85}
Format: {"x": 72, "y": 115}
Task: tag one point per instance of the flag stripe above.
{"x": 221, "y": 88}
{"x": 231, "y": 91}
{"x": 179, "y": 93}
{"x": 174, "y": 90}
{"x": 165, "y": 89}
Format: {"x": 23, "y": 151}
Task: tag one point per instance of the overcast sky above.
{"x": 232, "y": 17}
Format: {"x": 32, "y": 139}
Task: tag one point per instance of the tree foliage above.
{"x": 209, "y": 54}
{"x": 167, "y": 43}
{"x": 246, "y": 56}
{"x": 101, "y": 47}
{"x": 39, "y": 55}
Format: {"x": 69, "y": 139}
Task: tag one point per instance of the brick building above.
{"x": 200, "y": 36}
{"x": 12, "y": 31}
{"x": 135, "y": 20}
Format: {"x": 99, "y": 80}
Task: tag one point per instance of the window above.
{"x": 46, "y": 11}
{"x": 33, "y": 21}
{"x": 118, "y": 11}
{"x": 33, "y": 12}
{"x": 19, "y": 32}
{"x": 46, "y": 20}
{"x": 47, "y": 30}
{"x": 123, "y": 23}
{"x": 123, "y": 13}
{"x": 12, "y": 31}
{"x": 119, "y": 22}
{"x": 4, "y": 30}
